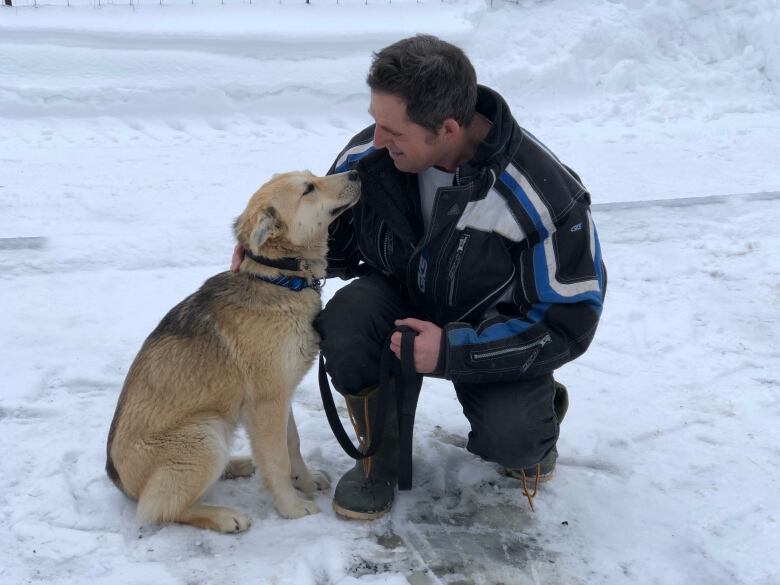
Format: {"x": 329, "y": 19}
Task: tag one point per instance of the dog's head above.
{"x": 290, "y": 214}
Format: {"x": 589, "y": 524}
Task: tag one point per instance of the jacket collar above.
{"x": 492, "y": 152}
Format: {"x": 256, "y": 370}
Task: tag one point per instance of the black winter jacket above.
{"x": 510, "y": 266}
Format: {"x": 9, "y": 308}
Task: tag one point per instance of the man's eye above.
{"x": 309, "y": 189}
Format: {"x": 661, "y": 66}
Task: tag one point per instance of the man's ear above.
{"x": 265, "y": 226}
{"x": 450, "y": 127}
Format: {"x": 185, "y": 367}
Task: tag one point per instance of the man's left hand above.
{"x": 238, "y": 258}
{"x": 426, "y": 345}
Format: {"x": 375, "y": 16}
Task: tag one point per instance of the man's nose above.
{"x": 380, "y": 138}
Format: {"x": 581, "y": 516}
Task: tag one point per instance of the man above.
{"x": 472, "y": 233}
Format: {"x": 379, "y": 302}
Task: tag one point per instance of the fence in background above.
{"x": 139, "y": 3}
{"x": 135, "y": 3}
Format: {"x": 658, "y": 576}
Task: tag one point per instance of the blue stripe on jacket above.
{"x": 547, "y": 296}
{"x": 525, "y": 203}
{"x": 352, "y": 158}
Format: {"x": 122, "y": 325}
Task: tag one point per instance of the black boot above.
{"x": 367, "y": 490}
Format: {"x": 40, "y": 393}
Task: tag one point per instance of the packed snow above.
{"x": 130, "y": 137}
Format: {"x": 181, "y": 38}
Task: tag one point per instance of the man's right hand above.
{"x": 238, "y": 257}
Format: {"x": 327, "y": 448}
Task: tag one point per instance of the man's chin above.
{"x": 403, "y": 166}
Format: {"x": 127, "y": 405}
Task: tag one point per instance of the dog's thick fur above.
{"x": 235, "y": 350}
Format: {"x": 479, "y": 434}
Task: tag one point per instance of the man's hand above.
{"x": 426, "y": 345}
{"x": 238, "y": 257}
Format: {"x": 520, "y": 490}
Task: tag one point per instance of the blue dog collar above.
{"x": 293, "y": 283}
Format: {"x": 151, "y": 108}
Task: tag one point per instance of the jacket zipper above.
{"x": 481, "y": 355}
{"x": 381, "y": 246}
{"x": 388, "y": 235}
{"x": 417, "y": 248}
{"x": 464, "y": 238}
{"x": 491, "y": 294}
{"x": 426, "y": 236}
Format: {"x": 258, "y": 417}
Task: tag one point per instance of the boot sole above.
{"x": 354, "y": 515}
{"x": 529, "y": 476}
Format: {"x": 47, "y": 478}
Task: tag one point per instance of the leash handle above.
{"x": 408, "y": 385}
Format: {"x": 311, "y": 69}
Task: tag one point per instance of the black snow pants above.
{"x": 512, "y": 423}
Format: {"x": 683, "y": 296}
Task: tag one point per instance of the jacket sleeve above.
{"x": 343, "y": 252}
{"x": 552, "y": 316}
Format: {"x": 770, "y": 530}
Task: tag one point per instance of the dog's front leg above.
{"x": 266, "y": 423}
{"x": 304, "y": 480}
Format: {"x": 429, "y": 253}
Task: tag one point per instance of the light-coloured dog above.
{"x": 233, "y": 351}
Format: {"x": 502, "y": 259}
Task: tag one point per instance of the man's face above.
{"x": 412, "y": 147}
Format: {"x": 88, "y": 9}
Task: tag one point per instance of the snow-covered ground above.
{"x": 130, "y": 138}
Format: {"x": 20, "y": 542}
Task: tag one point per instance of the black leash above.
{"x": 407, "y": 389}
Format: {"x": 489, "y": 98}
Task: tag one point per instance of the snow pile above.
{"x": 660, "y": 60}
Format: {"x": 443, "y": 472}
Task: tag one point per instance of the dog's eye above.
{"x": 309, "y": 189}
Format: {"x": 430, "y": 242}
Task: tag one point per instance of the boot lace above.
{"x": 530, "y": 495}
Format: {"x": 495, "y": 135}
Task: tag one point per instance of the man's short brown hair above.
{"x": 434, "y": 78}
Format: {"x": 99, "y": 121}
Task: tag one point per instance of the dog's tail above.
{"x": 111, "y": 470}
{"x": 113, "y": 475}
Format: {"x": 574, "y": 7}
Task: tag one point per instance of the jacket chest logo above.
{"x": 422, "y": 270}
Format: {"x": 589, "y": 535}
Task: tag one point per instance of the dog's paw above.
{"x": 229, "y": 521}
{"x": 309, "y": 483}
{"x": 298, "y": 508}
{"x": 321, "y": 480}
{"x": 239, "y": 467}
{"x": 241, "y": 522}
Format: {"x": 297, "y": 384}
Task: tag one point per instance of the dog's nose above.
{"x": 353, "y": 176}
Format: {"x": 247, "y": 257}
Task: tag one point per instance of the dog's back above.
{"x": 195, "y": 362}
{"x": 190, "y": 319}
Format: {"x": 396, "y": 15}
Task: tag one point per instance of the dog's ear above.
{"x": 265, "y": 226}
